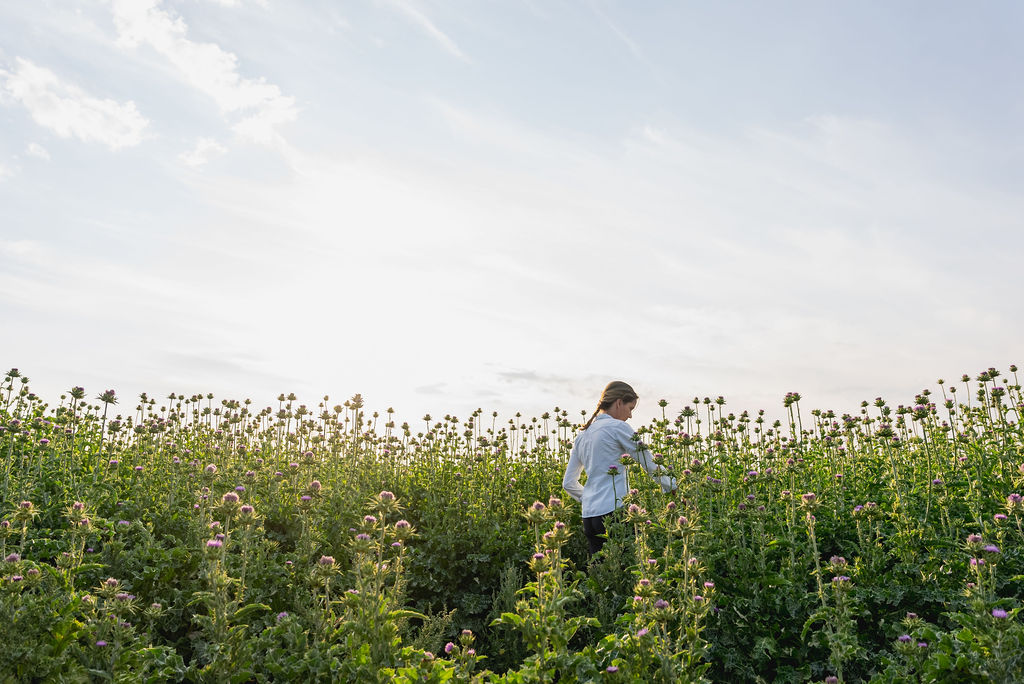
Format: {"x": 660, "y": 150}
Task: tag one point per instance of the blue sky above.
{"x": 504, "y": 205}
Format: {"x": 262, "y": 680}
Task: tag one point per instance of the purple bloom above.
{"x": 991, "y": 548}
{"x": 661, "y": 603}
{"x": 611, "y": 669}
{"x": 282, "y": 615}
{"x": 214, "y": 544}
{"x": 449, "y": 647}
{"x": 13, "y": 558}
{"x": 642, "y": 632}
{"x": 998, "y": 613}
{"x": 101, "y": 643}
{"x": 229, "y": 498}
{"x": 326, "y": 560}
{"x": 904, "y": 638}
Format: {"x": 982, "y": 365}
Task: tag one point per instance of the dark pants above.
{"x": 594, "y": 530}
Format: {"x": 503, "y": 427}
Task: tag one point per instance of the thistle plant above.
{"x": 372, "y": 608}
{"x": 542, "y": 616}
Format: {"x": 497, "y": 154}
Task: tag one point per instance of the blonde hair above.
{"x": 615, "y": 390}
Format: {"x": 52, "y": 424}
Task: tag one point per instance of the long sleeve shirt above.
{"x": 595, "y": 449}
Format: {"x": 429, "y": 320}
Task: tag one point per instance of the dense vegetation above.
{"x": 201, "y": 540}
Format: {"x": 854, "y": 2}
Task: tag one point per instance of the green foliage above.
{"x": 196, "y": 540}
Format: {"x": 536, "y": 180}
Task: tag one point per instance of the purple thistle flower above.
{"x": 214, "y": 544}
{"x": 661, "y": 604}
{"x": 326, "y": 560}
{"x": 904, "y": 638}
{"x": 642, "y": 632}
{"x": 13, "y": 558}
{"x": 449, "y": 647}
{"x": 998, "y": 613}
{"x": 101, "y": 643}
{"x": 991, "y": 548}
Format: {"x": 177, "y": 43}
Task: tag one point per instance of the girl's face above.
{"x": 622, "y": 410}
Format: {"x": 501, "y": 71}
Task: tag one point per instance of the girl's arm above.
{"x": 571, "y": 479}
{"x": 642, "y": 455}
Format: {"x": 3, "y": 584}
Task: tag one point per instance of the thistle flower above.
{"x": 998, "y": 613}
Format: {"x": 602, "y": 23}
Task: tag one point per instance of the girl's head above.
{"x": 617, "y": 399}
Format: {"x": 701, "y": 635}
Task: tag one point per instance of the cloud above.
{"x": 38, "y": 151}
{"x": 237, "y": 3}
{"x": 407, "y": 8}
{"x": 206, "y": 67}
{"x": 69, "y": 111}
{"x": 26, "y": 251}
{"x": 5, "y": 173}
{"x": 205, "y": 150}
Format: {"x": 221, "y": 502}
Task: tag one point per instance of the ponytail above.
{"x": 615, "y": 390}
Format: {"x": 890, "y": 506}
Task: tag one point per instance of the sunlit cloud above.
{"x": 205, "y": 150}
{"x": 261, "y": 106}
{"x": 69, "y": 111}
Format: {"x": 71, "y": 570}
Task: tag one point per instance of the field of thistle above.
{"x": 194, "y": 539}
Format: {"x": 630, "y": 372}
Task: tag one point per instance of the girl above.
{"x": 605, "y": 439}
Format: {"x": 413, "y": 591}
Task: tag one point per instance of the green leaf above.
{"x": 250, "y": 609}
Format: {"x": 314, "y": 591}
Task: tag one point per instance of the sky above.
{"x": 447, "y": 205}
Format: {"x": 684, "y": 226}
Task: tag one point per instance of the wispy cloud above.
{"x": 69, "y": 111}
{"x": 411, "y": 12}
{"x": 208, "y": 68}
{"x": 38, "y": 151}
{"x": 205, "y": 149}
{"x": 631, "y": 45}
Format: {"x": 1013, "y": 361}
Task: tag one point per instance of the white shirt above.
{"x": 594, "y": 450}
